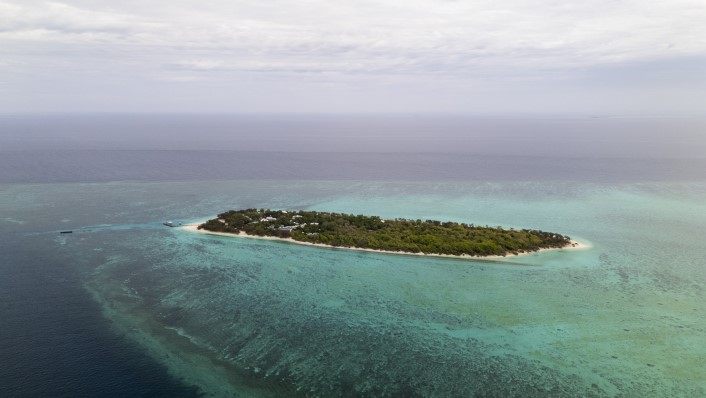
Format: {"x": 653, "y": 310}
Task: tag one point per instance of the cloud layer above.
{"x": 356, "y": 48}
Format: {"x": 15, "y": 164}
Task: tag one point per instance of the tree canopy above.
{"x": 372, "y": 232}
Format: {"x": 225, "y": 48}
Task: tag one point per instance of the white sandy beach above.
{"x": 575, "y": 245}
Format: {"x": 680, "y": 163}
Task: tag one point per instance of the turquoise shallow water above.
{"x": 261, "y": 318}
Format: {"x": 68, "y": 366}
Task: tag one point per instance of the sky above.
{"x": 592, "y": 57}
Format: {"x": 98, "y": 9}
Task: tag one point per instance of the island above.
{"x": 428, "y": 237}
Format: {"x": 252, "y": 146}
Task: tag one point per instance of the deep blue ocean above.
{"x": 124, "y": 306}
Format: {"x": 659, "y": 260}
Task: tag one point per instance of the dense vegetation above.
{"x": 370, "y": 232}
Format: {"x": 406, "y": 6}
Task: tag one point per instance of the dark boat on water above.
{"x": 171, "y": 224}
{"x": 66, "y": 232}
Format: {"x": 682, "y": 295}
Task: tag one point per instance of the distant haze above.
{"x": 472, "y": 57}
{"x": 587, "y": 137}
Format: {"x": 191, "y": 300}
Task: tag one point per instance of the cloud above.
{"x": 60, "y": 21}
{"x": 411, "y": 36}
{"x": 352, "y": 42}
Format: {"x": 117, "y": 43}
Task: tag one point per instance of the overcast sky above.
{"x": 475, "y": 56}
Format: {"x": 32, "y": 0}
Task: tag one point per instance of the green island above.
{"x": 374, "y": 233}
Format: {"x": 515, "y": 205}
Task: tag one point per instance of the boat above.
{"x": 66, "y": 232}
{"x": 171, "y": 224}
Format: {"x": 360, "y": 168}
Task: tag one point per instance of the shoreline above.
{"x": 574, "y": 245}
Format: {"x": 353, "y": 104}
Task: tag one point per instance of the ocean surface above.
{"x": 125, "y": 306}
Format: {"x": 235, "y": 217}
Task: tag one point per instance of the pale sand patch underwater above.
{"x": 574, "y": 245}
